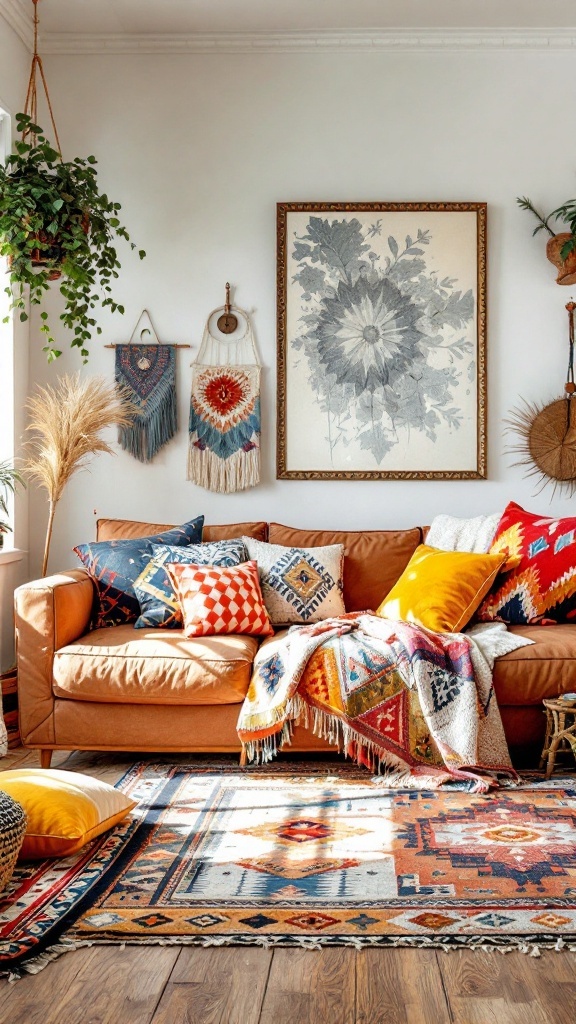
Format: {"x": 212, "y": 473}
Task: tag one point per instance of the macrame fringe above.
{"x": 532, "y": 946}
{"x": 236, "y": 473}
{"x": 153, "y": 426}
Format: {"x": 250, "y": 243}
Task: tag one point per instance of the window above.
{"x": 7, "y": 441}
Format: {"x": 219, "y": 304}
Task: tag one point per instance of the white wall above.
{"x": 198, "y": 148}
{"x": 14, "y": 70}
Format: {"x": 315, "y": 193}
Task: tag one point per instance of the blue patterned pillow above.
{"x": 115, "y": 564}
{"x": 158, "y": 602}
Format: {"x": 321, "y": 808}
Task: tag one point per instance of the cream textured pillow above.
{"x": 299, "y": 585}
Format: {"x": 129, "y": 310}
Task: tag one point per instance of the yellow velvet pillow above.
{"x": 441, "y": 590}
{"x": 64, "y": 809}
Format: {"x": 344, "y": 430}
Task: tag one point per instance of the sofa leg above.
{"x": 243, "y": 757}
{"x": 45, "y": 758}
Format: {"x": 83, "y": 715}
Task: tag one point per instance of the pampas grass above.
{"x": 66, "y": 422}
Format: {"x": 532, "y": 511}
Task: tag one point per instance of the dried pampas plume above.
{"x": 66, "y": 422}
{"x": 546, "y": 442}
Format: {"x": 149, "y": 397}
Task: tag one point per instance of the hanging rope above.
{"x": 31, "y": 105}
{"x": 570, "y": 386}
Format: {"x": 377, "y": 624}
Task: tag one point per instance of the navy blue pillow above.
{"x": 114, "y": 565}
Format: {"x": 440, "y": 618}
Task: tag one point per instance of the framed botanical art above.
{"x": 381, "y": 341}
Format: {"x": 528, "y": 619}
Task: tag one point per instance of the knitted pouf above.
{"x": 12, "y": 829}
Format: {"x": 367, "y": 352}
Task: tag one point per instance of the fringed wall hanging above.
{"x": 547, "y": 444}
{"x": 146, "y": 374}
{"x": 224, "y": 445}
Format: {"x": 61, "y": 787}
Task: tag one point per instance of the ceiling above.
{"x": 104, "y": 24}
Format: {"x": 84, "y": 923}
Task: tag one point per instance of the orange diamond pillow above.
{"x": 220, "y": 599}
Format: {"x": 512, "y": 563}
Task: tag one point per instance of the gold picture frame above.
{"x": 381, "y": 313}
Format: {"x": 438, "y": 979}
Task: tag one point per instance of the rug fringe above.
{"x": 529, "y": 946}
{"x": 40, "y": 962}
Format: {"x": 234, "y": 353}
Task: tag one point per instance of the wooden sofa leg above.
{"x": 243, "y": 757}
{"x": 45, "y": 758}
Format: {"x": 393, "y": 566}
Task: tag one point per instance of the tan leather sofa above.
{"x": 120, "y": 688}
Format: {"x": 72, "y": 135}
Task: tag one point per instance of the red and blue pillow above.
{"x": 541, "y": 586}
{"x": 115, "y": 565}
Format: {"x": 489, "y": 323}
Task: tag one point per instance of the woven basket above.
{"x": 12, "y": 829}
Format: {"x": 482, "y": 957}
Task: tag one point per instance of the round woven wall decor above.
{"x": 547, "y": 443}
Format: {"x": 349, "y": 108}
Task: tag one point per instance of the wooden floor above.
{"x": 232, "y": 985}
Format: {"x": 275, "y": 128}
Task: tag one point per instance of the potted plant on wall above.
{"x": 9, "y": 480}
{"x": 55, "y": 223}
{"x": 561, "y": 246}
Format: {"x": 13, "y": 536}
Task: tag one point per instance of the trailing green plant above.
{"x": 9, "y": 480}
{"x": 565, "y": 214}
{"x": 55, "y": 223}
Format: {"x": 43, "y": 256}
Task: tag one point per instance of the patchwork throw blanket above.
{"x": 395, "y": 696}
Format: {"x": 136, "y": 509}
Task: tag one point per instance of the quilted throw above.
{"x": 392, "y": 694}
{"x": 147, "y": 376}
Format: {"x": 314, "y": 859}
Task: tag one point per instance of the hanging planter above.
{"x": 561, "y": 247}
{"x": 56, "y": 224}
{"x": 566, "y": 267}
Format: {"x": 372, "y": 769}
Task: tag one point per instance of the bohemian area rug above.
{"x": 310, "y": 855}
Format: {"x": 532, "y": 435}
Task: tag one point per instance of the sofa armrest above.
{"x": 49, "y": 613}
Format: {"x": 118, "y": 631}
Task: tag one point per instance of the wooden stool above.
{"x": 560, "y": 731}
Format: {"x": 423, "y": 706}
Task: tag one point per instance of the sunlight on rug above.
{"x": 310, "y": 855}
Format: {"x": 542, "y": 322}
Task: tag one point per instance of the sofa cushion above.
{"x": 541, "y": 583}
{"x": 114, "y": 566}
{"x": 299, "y": 585}
{"x": 126, "y": 529}
{"x": 441, "y": 590}
{"x": 543, "y": 669}
{"x": 154, "y": 666}
{"x": 159, "y": 605}
{"x": 220, "y": 600}
{"x": 373, "y": 559}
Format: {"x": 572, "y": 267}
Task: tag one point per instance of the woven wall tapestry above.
{"x": 147, "y": 374}
{"x": 224, "y": 445}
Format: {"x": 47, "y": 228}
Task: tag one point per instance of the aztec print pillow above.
{"x": 218, "y": 599}
{"x": 542, "y": 584}
{"x": 299, "y": 585}
{"x": 154, "y": 590}
{"x": 114, "y": 565}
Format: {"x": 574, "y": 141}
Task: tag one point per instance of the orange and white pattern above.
{"x": 217, "y": 599}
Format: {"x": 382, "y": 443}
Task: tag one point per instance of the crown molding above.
{"x": 16, "y": 14}
{"x": 352, "y": 40}
{"x": 18, "y": 18}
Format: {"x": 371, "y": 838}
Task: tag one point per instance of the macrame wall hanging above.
{"x": 547, "y": 444}
{"x": 224, "y": 444}
{"x": 146, "y": 374}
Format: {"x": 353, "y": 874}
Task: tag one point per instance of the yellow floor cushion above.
{"x": 65, "y": 810}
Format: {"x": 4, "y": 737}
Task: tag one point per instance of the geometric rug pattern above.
{"x": 307, "y": 854}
